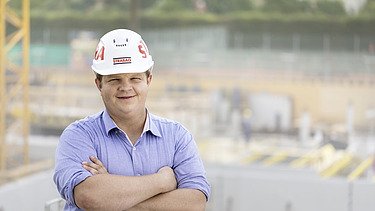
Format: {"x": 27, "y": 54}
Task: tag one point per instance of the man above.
{"x": 126, "y": 158}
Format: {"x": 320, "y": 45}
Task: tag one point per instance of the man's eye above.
{"x": 112, "y": 80}
{"x": 136, "y": 79}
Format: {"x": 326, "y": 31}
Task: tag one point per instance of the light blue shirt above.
{"x": 163, "y": 143}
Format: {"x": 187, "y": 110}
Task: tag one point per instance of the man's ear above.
{"x": 149, "y": 79}
{"x": 98, "y": 84}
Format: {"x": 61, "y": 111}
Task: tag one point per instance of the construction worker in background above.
{"x": 246, "y": 124}
{"x": 125, "y": 158}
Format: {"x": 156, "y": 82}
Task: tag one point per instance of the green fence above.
{"x": 44, "y": 55}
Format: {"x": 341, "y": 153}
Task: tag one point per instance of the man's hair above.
{"x": 99, "y": 77}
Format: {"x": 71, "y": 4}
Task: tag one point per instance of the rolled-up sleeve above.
{"x": 74, "y": 147}
{"x": 188, "y": 166}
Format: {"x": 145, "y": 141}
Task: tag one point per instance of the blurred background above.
{"x": 279, "y": 94}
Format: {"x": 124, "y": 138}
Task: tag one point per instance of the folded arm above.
{"x": 176, "y": 200}
{"x": 173, "y": 200}
{"x": 104, "y": 191}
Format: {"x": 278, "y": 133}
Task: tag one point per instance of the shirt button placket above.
{"x": 136, "y": 162}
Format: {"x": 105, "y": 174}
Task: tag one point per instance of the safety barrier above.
{"x": 55, "y": 205}
{"x": 325, "y": 160}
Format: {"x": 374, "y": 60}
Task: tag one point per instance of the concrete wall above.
{"x": 270, "y": 111}
{"x": 278, "y": 189}
{"x": 233, "y": 189}
{"x": 29, "y": 193}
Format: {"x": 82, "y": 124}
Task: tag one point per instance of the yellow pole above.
{"x": 25, "y": 77}
{"x": 2, "y": 85}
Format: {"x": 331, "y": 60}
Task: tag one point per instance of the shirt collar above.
{"x": 154, "y": 130}
{"x": 147, "y": 123}
{"x": 109, "y": 124}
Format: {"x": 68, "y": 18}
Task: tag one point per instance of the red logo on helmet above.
{"x": 122, "y": 60}
{"x": 142, "y": 49}
{"x": 99, "y": 54}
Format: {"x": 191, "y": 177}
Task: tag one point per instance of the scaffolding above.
{"x": 14, "y": 85}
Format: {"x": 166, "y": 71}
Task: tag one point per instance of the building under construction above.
{"x": 310, "y": 143}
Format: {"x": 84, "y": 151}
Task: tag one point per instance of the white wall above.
{"x": 274, "y": 188}
{"x": 265, "y": 109}
{"x": 29, "y": 193}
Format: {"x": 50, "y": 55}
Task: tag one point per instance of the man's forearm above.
{"x": 176, "y": 200}
{"x": 112, "y": 192}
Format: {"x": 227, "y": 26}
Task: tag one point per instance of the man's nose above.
{"x": 125, "y": 85}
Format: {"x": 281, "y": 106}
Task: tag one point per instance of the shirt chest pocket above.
{"x": 155, "y": 157}
{"x": 120, "y": 164}
{"x": 117, "y": 160}
{"x": 143, "y": 159}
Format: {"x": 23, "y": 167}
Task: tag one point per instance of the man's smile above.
{"x": 125, "y": 97}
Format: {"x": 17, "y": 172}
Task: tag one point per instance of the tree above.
{"x": 330, "y": 7}
{"x": 173, "y": 5}
{"x": 369, "y": 8}
{"x": 224, "y": 6}
{"x": 286, "y": 6}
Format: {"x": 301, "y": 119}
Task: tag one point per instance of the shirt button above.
{"x": 134, "y": 148}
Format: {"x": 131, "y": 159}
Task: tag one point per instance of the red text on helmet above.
{"x": 99, "y": 53}
{"x": 142, "y": 49}
{"x": 122, "y": 60}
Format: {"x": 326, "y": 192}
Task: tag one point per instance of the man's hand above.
{"x": 167, "y": 178}
{"x": 96, "y": 167}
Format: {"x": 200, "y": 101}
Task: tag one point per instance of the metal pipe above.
{"x": 25, "y": 78}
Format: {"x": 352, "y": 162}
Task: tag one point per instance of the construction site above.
{"x": 309, "y": 141}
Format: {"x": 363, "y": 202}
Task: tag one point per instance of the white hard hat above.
{"x": 121, "y": 51}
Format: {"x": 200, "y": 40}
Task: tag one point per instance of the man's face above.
{"x": 125, "y": 93}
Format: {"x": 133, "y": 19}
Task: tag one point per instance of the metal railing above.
{"x": 55, "y": 205}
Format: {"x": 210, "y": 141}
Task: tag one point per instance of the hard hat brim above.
{"x": 121, "y": 69}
